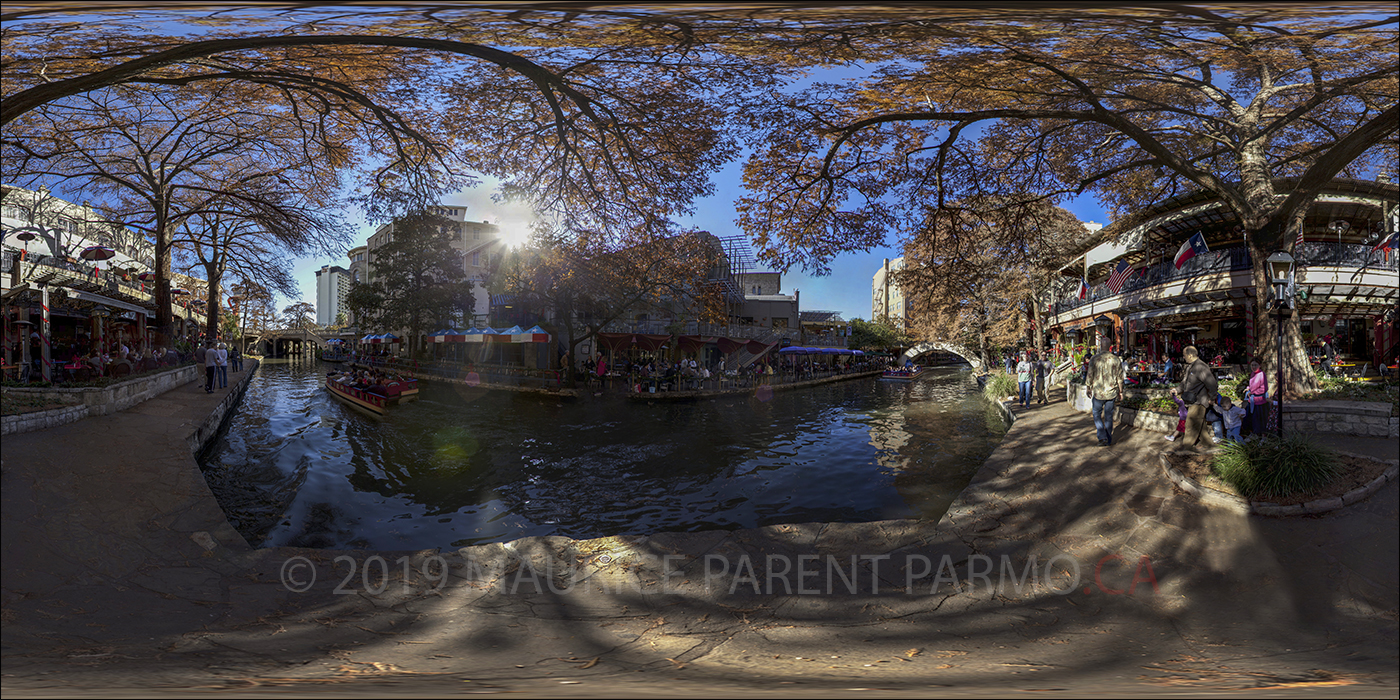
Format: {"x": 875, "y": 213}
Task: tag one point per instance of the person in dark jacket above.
{"x": 1198, "y": 389}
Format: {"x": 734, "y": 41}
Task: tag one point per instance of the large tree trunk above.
{"x": 1298, "y": 376}
{"x": 165, "y": 322}
{"x": 214, "y": 271}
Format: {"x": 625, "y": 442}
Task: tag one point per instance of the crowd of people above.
{"x": 1204, "y": 416}
{"x": 691, "y": 373}
{"x": 372, "y": 380}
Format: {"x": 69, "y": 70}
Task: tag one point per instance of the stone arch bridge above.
{"x": 286, "y": 342}
{"x": 931, "y": 346}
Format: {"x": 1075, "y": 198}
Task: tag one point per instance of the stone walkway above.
{"x": 121, "y": 576}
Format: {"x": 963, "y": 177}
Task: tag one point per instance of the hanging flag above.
{"x": 1386, "y": 245}
{"x": 1195, "y": 245}
{"x": 1298, "y": 244}
{"x": 1083, "y": 289}
{"x": 1119, "y": 276}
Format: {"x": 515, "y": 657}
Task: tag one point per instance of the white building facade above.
{"x": 886, "y": 299}
{"x": 332, "y": 284}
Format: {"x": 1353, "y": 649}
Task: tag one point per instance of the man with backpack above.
{"x": 1198, "y": 389}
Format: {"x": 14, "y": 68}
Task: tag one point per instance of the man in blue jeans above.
{"x": 1025, "y": 374}
{"x": 1105, "y": 384}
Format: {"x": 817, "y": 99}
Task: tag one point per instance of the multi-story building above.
{"x": 886, "y": 299}
{"x": 332, "y": 284}
{"x": 1346, "y": 281}
{"x": 479, "y": 242}
{"x": 88, "y": 270}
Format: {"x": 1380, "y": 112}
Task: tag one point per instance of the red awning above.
{"x": 651, "y": 343}
{"x": 615, "y": 342}
{"x": 756, "y": 346}
{"x": 730, "y": 345}
{"x": 693, "y": 343}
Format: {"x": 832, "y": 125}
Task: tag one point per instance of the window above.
{"x": 476, "y": 259}
{"x": 476, "y": 233}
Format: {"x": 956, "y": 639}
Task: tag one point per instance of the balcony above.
{"x": 1228, "y": 260}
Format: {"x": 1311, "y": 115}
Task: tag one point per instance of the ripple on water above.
{"x": 297, "y": 467}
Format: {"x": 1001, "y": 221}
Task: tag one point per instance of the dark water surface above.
{"x": 463, "y": 466}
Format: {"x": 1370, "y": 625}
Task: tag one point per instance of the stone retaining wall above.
{"x": 1360, "y": 418}
{"x": 81, "y": 402}
{"x": 205, "y": 432}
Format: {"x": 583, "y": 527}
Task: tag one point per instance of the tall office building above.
{"x": 332, "y": 284}
{"x": 479, "y": 241}
{"x": 886, "y": 299}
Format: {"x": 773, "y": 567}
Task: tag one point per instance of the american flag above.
{"x": 1119, "y": 276}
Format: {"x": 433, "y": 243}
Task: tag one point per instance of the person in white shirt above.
{"x": 221, "y": 357}
{"x": 211, "y": 367}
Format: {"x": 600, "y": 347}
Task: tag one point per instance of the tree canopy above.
{"x": 417, "y": 279}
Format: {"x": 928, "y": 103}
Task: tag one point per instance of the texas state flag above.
{"x": 1195, "y": 245}
{"x": 1083, "y": 289}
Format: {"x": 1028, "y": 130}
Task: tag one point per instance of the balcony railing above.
{"x": 1314, "y": 253}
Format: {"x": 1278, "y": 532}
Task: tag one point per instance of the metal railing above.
{"x": 1225, "y": 260}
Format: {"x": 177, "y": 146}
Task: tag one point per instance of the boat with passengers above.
{"x": 371, "y": 391}
{"x": 903, "y": 374}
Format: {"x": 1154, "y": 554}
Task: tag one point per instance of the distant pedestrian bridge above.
{"x": 925, "y": 348}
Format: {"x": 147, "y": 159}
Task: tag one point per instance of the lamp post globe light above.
{"x": 1281, "y": 273}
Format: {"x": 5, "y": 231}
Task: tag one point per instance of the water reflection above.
{"x": 465, "y": 466}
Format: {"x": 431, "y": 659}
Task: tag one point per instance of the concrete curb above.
{"x": 205, "y": 432}
{"x": 1239, "y": 504}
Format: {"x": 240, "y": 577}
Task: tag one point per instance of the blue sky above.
{"x": 846, "y": 289}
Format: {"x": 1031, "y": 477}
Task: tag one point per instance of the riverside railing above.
{"x": 1311, "y": 253}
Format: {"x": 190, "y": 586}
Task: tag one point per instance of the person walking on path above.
{"x": 211, "y": 366}
{"x": 1258, "y": 389}
{"x": 1025, "y": 372}
{"x": 235, "y": 358}
{"x": 1181, "y": 411}
{"x": 221, "y": 364}
{"x": 1042, "y": 368}
{"x": 1198, "y": 390}
{"x": 1105, "y": 383}
{"x": 1010, "y": 364}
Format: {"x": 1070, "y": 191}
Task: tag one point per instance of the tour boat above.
{"x": 368, "y": 400}
{"x": 401, "y": 389}
{"x": 328, "y": 356}
{"x": 903, "y": 375}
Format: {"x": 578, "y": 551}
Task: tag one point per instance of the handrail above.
{"x": 1237, "y": 259}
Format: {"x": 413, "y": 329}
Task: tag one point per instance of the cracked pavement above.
{"x": 1063, "y": 568}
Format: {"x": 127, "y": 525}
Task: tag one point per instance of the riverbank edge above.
{"x": 659, "y": 396}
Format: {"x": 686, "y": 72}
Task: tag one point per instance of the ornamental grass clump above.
{"x": 1276, "y": 467}
{"x": 1000, "y": 385}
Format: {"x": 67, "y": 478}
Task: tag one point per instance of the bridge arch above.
{"x": 929, "y": 346}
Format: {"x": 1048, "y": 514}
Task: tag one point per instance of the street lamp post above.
{"x": 1280, "y": 271}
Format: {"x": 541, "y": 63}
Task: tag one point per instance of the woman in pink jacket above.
{"x": 1258, "y": 389}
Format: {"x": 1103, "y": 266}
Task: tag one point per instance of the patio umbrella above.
{"x": 97, "y": 253}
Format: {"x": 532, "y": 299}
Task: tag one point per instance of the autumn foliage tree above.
{"x": 1132, "y": 106}
{"x": 585, "y": 286}
{"x": 418, "y": 279}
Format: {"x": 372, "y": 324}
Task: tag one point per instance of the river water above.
{"x": 463, "y": 466}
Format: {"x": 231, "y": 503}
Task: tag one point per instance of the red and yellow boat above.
{"x": 364, "y": 398}
{"x": 375, "y": 399}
